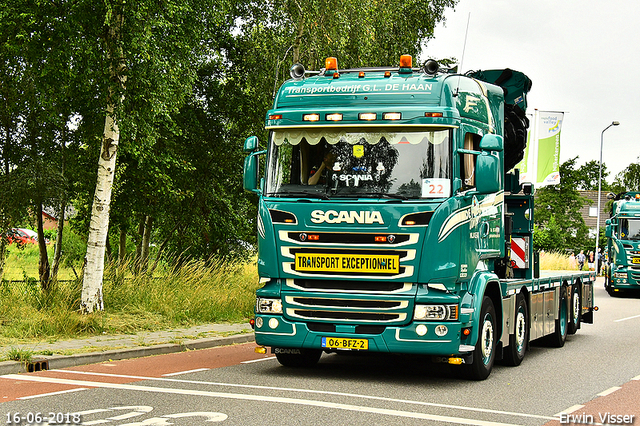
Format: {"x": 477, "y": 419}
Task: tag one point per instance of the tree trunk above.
{"x": 122, "y": 247}
{"x": 146, "y": 239}
{"x": 57, "y": 253}
{"x": 44, "y": 269}
{"x": 99, "y": 226}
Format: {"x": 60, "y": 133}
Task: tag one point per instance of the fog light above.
{"x": 259, "y": 322}
{"x": 273, "y": 323}
{"x": 441, "y": 330}
{"x": 421, "y": 330}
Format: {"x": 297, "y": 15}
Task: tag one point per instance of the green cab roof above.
{"x": 421, "y": 99}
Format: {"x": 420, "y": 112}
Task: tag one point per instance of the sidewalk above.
{"x": 69, "y": 353}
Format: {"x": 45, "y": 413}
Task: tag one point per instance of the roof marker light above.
{"x": 367, "y": 116}
{"x": 333, "y": 117}
{"x": 433, "y": 114}
{"x": 361, "y": 74}
{"x": 275, "y": 117}
{"x": 392, "y": 116}
{"x": 311, "y": 117}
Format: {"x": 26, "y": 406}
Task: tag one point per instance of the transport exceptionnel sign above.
{"x": 338, "y": 262}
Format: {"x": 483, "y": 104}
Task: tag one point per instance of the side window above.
{"x": 468, "y": 161}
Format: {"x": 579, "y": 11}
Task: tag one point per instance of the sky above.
{"x": 582, "y": 57}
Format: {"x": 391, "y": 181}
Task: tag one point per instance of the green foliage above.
{"x": 628, "y": 179}
{"x": 557, "y": 212}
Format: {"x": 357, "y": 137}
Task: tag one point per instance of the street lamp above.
{"x": 595, "y": 255}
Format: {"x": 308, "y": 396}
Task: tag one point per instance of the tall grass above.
{"x": 554, "y": 261}
{"x": 194, "y": 293}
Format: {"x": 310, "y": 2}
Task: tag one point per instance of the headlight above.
{"x": 435, "y": 312}
{"x": 268, "y": 306}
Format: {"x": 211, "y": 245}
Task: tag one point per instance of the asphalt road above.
{"x": 235, "y": 386}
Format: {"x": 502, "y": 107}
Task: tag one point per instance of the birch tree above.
{"x": 152, "y": 50}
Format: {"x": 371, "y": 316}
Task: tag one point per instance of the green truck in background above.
{"x": 622, "y": 271}
{"x": 387, "y": 220}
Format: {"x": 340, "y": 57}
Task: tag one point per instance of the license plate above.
{"x": 635, "y": 260}
{"x": 340, "y": 343}
{"x": 341, "y": 262}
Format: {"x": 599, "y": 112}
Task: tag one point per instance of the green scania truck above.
{"x": 622, "y": 271}
{"x": 387, "y": 221}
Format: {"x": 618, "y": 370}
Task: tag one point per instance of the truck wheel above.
{"x": 306, "y": 358}
{"x": 484, "y": 353}
{"x": 576, "y": 310}
{"x": 514, "y": 353}
{"x": 559, "y": 336}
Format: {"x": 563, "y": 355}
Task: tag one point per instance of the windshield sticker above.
{"x": 436, "y": 188}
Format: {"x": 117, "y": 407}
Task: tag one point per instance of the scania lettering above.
{"x": 622, "y": 271}
{"x": 332, "y": 216}
{"x": 390, "y": 220}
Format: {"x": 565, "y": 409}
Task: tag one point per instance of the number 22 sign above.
{"x": 436, "y": 188}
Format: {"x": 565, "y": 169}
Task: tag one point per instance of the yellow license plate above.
{"x": 635, "y": 260}
{"x": 341, "y": 343}
{"x": 341, "y": 262}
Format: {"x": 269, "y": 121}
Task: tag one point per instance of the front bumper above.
{"x": 276, "y": 331}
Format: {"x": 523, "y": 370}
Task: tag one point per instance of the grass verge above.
{"x": 191, "y": 294}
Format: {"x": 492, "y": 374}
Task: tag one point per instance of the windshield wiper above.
{"x": 382, "y": 195}
{"x": 301, "y": 194}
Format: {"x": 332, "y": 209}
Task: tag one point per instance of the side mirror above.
{"x": 488, "y": 175}
{"x": 608, "y": 231}
{"x": 250, "y": 178}
{"x": 492, "y": 143}
{"x": 251, "y": 144}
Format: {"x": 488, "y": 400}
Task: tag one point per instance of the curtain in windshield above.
{"x": 340, "y": 162}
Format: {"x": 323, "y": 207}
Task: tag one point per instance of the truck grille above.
{"x": 346, "y": 316}
{"x": 347, "y": 309}
{"x": 349, "y": 286}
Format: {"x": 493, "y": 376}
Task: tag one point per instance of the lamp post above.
{"x": 595, "y": 255}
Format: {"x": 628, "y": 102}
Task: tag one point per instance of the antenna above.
{"x": 464, "y": 48}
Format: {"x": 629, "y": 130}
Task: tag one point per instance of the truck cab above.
{"x": 622, "y": 271}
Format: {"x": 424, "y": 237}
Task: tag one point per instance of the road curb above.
{"x": 64, "y": 361}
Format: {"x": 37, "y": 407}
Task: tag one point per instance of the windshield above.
{"x": 629, "y": 229}
{"x": 339, "y": 162}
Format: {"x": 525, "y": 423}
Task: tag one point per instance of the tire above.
{"x": 305, "y": 358}
{"x": 576, "y": 310}
{"x": 559, "y": 336}
{"x": 515, "y": 352}
{"x": 484, "y": 354}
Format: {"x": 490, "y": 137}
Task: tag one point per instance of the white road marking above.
{"x": 628, "y": 318}
{"x": 609, "y": 391}
{"x": 258, "y": 360}
{"x": 636, "y": 378}
{"x": 262, "y": 398}
{"x": 185, "y": 372}
{"x": 569, "y": 410}
{"x": 313, "y": 391}
{"x": 52, "y": 393}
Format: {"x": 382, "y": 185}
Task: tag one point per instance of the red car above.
{"x": 21, "y": 236}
